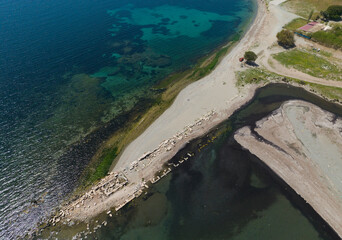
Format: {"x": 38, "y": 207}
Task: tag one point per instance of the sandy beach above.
{"x": 302, "y": 144}
{"x": 215, "y": 92}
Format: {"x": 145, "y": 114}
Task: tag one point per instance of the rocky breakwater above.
{"x": 119, "y": 188}
{"x": 302, "y": 144}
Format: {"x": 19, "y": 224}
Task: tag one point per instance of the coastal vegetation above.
{"x": 309, "y": 63}
{"x": 286, "y": 38}
{"x": 331, "y": 38}
{"x": 253, "y": 76}
{"x": 262, "y": 76}
{"x": 92, "y": 174}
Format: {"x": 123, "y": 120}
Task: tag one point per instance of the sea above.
{"x": 67, "y": 68}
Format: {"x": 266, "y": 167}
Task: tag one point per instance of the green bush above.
{"x": 250, "y": 56}
{"x": 286, "y": 38}
{"x": 331, "y": 38}
{"x": 333, "y": 12}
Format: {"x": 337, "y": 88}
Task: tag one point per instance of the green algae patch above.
{"x": 100, "y": 169}
{"x": 209, "y": 66}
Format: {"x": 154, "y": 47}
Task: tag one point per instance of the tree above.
{"x": 286, "y": 38}
{"x": 250, "y": 57}
{"x": 310, "y": 15}
{"x": 324, "y": 14}
{"x": 333, "y": 12}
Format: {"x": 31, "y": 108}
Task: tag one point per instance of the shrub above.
{"x": 286, "y": 38}
{"x": 332, "y": 38}
{"x": 333, "y": 12}
{"x": 250, "y": 56}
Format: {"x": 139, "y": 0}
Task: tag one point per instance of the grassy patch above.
{"x": 309, "y": 63}
{"x": 333, "y": 93}
{"x": 304, "y": 7}
{"x": 332, "y": 38}
{"x": 295, "y": 24}
{"x": 325, "y": 53}
{"x": 254, "y": 76}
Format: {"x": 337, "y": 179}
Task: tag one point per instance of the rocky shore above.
{"x": 119, "y": 188}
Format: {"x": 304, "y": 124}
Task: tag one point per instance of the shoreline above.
{"x": 236, "y": 100}
{"x": 168, "y": 89}
{"x": 195, "y": 100}
{"x": 307, "y": 170}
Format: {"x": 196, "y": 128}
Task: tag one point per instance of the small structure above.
{"x": 308, "y": 27}
{"x": 302, "y": 35}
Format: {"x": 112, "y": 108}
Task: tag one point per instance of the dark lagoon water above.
{"x": 68, "y": 67}
{"x": 222, "y": 192}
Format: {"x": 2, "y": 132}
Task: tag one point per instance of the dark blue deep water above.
{"x": 68, "y": 67}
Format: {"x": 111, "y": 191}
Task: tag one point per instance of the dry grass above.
{"x": 304, "y": 7}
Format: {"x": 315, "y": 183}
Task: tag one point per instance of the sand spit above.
{"x": 119, "y": 188}
{"x": 302, "y": 144}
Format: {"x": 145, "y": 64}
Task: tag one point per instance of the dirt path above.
{"x": 265, "y": 54}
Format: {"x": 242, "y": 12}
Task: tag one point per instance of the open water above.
{"x": 70, "y": 67}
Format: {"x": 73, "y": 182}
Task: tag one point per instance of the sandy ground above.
{"x": 302, "y": 144}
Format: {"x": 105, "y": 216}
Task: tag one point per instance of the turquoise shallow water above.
{"x": 70, "y": 67}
